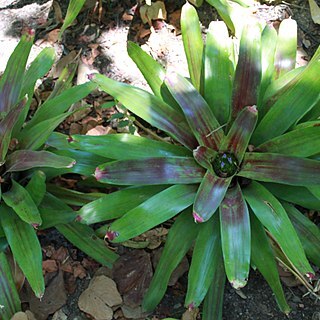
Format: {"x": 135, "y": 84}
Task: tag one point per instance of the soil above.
{"x": 102, "y": 38}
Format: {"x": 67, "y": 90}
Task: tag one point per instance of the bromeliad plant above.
{"x": 245, "y": 145}
{"x": 25, "y": 204}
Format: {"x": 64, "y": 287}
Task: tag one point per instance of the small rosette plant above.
{"x": 25, "y": 202}
{"x": 243, "y": 149}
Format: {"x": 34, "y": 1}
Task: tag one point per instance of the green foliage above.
{"x": 236, "y": 157}
{"x": 25, "y": 202}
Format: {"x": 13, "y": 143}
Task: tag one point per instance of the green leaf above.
{"x": 6, "y": 126}
{"x": 235, "y": 237}
{"x": 53, "y": 212}
{"x": 73, "y": 10}
{"x": 25, "y": 247}
{"x": 170, "y": 170}
{"x": 21, "y": 202}
{"x": 218, "y": 70}
{"x": 21, "y": 160}
{"x": 272, "y": 167}
{"x": 64, "y": 82}
{"x": 209, "y": 196}
{"x": 9, "y": 297}
{"x": 116, "y": 204}
{"x": 285, "y": 55}
{"x": 193, "y": 43}
{"x": 34, "y": 137}
{"x": 263, "y": 258}
{"x": 150, "y": 108}
{"x": 72, "y": 197}
{"x": 273, "y": 216}
{"x": 84, "y": 238}
{"x": 268, "y": 46}
{"x": 307, "y": 231}
{"x": 123, "y": 146}
{"x": 36, "y": 187}
{"x": 55, "y": 107}
{"x": 298, "y": 195}
{"x": 175, "y": 249}
{"x": 237, "y": 140}
{"x": 297, "y": 97}
{"x": 201, "y": 119}
{"x": 12, "y": 78}
{"x": 157, "y": 209}
{"x": 153, "y": 72}
{"x": 84, "y": 163}
{"x": 247, "y": 76}
{"x": 302, "y": 142}
{"x": 39, "y": 67}
{"x": 205, "y": 259}
{"x": 225, "y": 11}
{"x": 213, "y": 303}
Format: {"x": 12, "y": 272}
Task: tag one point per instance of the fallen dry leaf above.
{"x": 315, "y": 11}
{"x": 60, "y": 255}
{"x": 54, "y": 298}
{"x": 156, "y": 10}
{"x": 132, "y": 273}
{"x": 49, "y": 265}
{"x": 106, "y": 289}
{"x": 78, "y": 270}
{"x": 95, "y": 307}
{"x": 28, "y": 315}
{"x": 99, "y": 297}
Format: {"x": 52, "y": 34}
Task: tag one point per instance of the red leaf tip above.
{"x": 191, "y": 306}
{"x": 99, "y": 173}
{"x": 310, "y": 276}
{"x": 78, "y": 218}
{"x": 253, "y": 109}
{"x": 35, "y": 225}
{"x": 197, "y": 218}
{"x": 70, "y": 139}
{"x": 111, "y": 235}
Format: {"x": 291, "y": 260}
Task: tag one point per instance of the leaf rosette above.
{"x": 232, "y": 165}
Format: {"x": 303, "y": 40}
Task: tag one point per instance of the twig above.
{"x": 141, "y": 126}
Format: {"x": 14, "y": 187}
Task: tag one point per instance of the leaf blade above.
{"x": 272, "y": 167}
{"x": 170, "y": 170}
{"x": 235, "y": 237}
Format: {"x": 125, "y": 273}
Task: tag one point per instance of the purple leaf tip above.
{"x": 35, "y": 225}
{"x": 197, "y": 218}
{"x": 111, "y": 235}
{"x": 70, "y": 139}
{"x": 78, "y": 218}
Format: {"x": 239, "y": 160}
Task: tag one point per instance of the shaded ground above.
{"x": 103, "y": 48}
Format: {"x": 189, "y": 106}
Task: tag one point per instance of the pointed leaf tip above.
{"x": 98, "y": 174}
{"x": 111, "y": 235}
{"x": 238, "y": 283}
{"x": 253, "y": 109}
{"x": 197, "y": 218}
{"x": 72, "y": 164}
{"x": 310, "y": 276}
{"x": 191, "y": 306}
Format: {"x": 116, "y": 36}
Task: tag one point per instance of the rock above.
{"x": 28, "y": 315}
